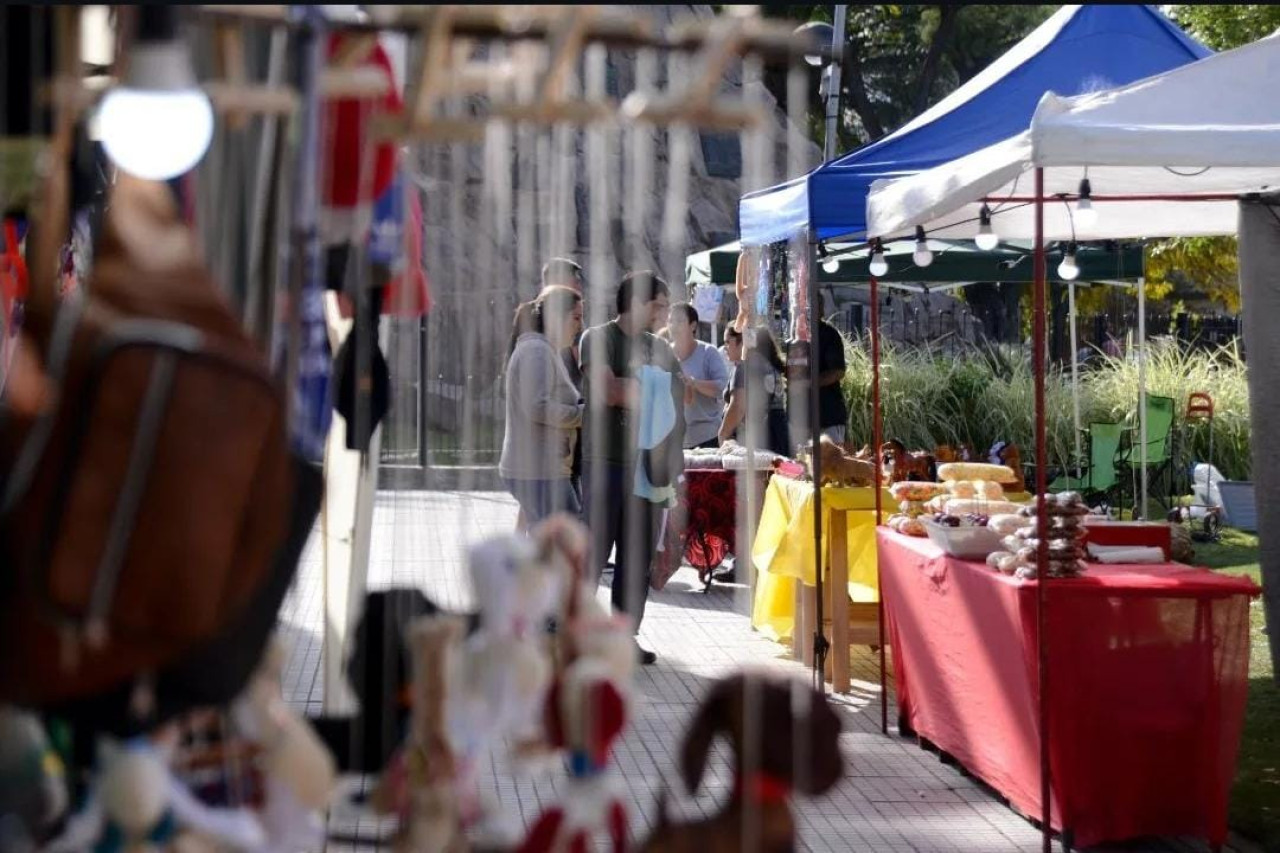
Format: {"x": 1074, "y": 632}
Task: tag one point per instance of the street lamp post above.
{"x": 831, "y": 79}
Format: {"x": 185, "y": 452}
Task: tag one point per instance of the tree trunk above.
{"x": 856, "y": 91}
{"x": 929, "y": 69}
{"x": 1059, "y": 334}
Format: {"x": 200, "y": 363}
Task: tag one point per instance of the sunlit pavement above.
{"x": 895, "y": 797}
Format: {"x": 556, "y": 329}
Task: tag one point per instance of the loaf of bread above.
{"x": 965, "y": 506}
{"x": 913, "y": 490}
{"x": 977, "y": 471}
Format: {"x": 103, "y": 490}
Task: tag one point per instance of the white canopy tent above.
{"x": 1202, "y": 135}
{"x": 1166, "y": 156}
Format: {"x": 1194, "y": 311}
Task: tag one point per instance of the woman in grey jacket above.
{"x": 544, "y": 409}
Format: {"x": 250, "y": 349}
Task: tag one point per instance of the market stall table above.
{"x": 1148, "y": 677}
{"x": 783, "y": 554}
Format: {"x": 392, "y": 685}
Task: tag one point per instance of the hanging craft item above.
{"x": 746, "y": 282}
{"x": 298, "y": 772}
{"x": 586, "y": 711}
{"x": 355, "y": 170}
{"x": 301, "y": 345}
{"x": 498, "y": 685}
{"x": 13, "y": 289}
{"x": 420, "y": 785}
{"x": 785, "y": 739}
{"x": 123, "y": 567}
{"x": 798, "y": 290}
{"x": 136, "y": 803}
{"x": 409, "y": 291}
{"x": 33, "y": 785}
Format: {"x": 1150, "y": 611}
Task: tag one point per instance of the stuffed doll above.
{"x": 421, "y": 783}
{"x": 505, "y": 670}
{"x": 784, "y": 737}
{"x": 136, "y": 805}
{"x": 587, "y": 706}
{"x": 298, "y": 771}
{"x": 33, "y": 792}
{"x": 498, "y": 686}
{"x": 586, "y": 712}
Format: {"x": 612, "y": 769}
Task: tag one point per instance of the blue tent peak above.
{"x": 1079, "y": 49}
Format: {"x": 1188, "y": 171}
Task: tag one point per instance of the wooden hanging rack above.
{"x": 444, "y": 71}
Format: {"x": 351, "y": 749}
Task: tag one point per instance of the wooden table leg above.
{"x": 810, "y": 609}
{"x": 797, "y": 625}
{"x": 837, "y": 603}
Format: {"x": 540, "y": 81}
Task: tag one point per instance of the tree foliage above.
{"x": 1227, "y": 26}
{"x": 901, "y": 59}
{"x": 1206, "y": 267}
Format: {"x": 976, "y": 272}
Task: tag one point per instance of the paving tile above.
{"x": 893, "y": 797}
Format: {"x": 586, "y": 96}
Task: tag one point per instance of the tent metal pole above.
{"x": 1042, "y": 527}
{"x": 815, "y": 462}
{"x": 879, "y": 498}
{"x": 1141, "y": 509}
{"x": 1075, "y": 375}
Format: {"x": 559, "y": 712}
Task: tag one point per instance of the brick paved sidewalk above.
{"x": 895, "y": 797}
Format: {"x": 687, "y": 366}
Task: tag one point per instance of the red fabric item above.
{"x": 618, "y": 827}
{"x": 542, "y": 836}
{"x": 711, "y": 517}
{"x": 711, "y": 528}
{"x": 344, "y": 124}
{"x": 13, "y": 269}
{"x": 1142, "y": 533}
{"x": 409, "y": 293}
{"x": 1148, "y": 673}
{"x": 762, "y": 789}
{"x": 607, "y": 716}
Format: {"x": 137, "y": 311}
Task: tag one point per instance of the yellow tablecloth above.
{"x": 783, "y": 548}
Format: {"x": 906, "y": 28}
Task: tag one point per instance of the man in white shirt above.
{"x": 705, "y": 373}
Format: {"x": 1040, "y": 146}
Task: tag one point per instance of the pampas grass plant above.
{"x": 986, "y": 395}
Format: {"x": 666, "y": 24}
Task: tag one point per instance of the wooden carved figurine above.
{"x": 784, "y": 738}
{"x": 900, "y": 465}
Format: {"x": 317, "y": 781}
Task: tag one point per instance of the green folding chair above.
{"x": 1160, "y": 415}
{"x": 1100, "y": 480}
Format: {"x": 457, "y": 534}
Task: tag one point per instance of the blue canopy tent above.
{"x": 1079, "y": 49}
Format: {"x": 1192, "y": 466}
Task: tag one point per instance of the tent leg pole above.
{"x": 815, "y": 461}
{"x": 875, "y": 450}
{"x": 1042, "y": 551}
{"x": 1140, "y": 511}
{"x": 1075, "y": 375}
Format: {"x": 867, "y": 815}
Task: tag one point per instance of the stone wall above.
{"x": 495, "y": 212}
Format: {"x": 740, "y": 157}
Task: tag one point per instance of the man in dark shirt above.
{"x": 611, "y": 355}
{"x": 833, "y": 413}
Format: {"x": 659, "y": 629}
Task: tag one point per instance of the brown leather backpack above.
{"x": 141, "y": 510}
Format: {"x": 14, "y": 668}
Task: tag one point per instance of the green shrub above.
{"x": 930, "y": 398}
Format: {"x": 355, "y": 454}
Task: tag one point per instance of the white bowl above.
{"x": 969, "y": 543}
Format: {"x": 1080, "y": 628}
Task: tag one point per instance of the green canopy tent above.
{"x": 956, "y": 264}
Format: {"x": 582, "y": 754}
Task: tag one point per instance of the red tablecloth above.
{"x": 1148, "y": 675}
{"x": 1146, "y": 533}
{"x": 710, "y": 498}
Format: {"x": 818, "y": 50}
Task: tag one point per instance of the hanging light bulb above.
{"x": 878, "y": 266}
{"x": 1068, "y": 270}
{"x": 987, "y": 239}
{"x": 157, "y": 123}
{"x": 922, "y": 255}
{"x": 1085, "y": 217}
{"x": 831, "y": 265}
